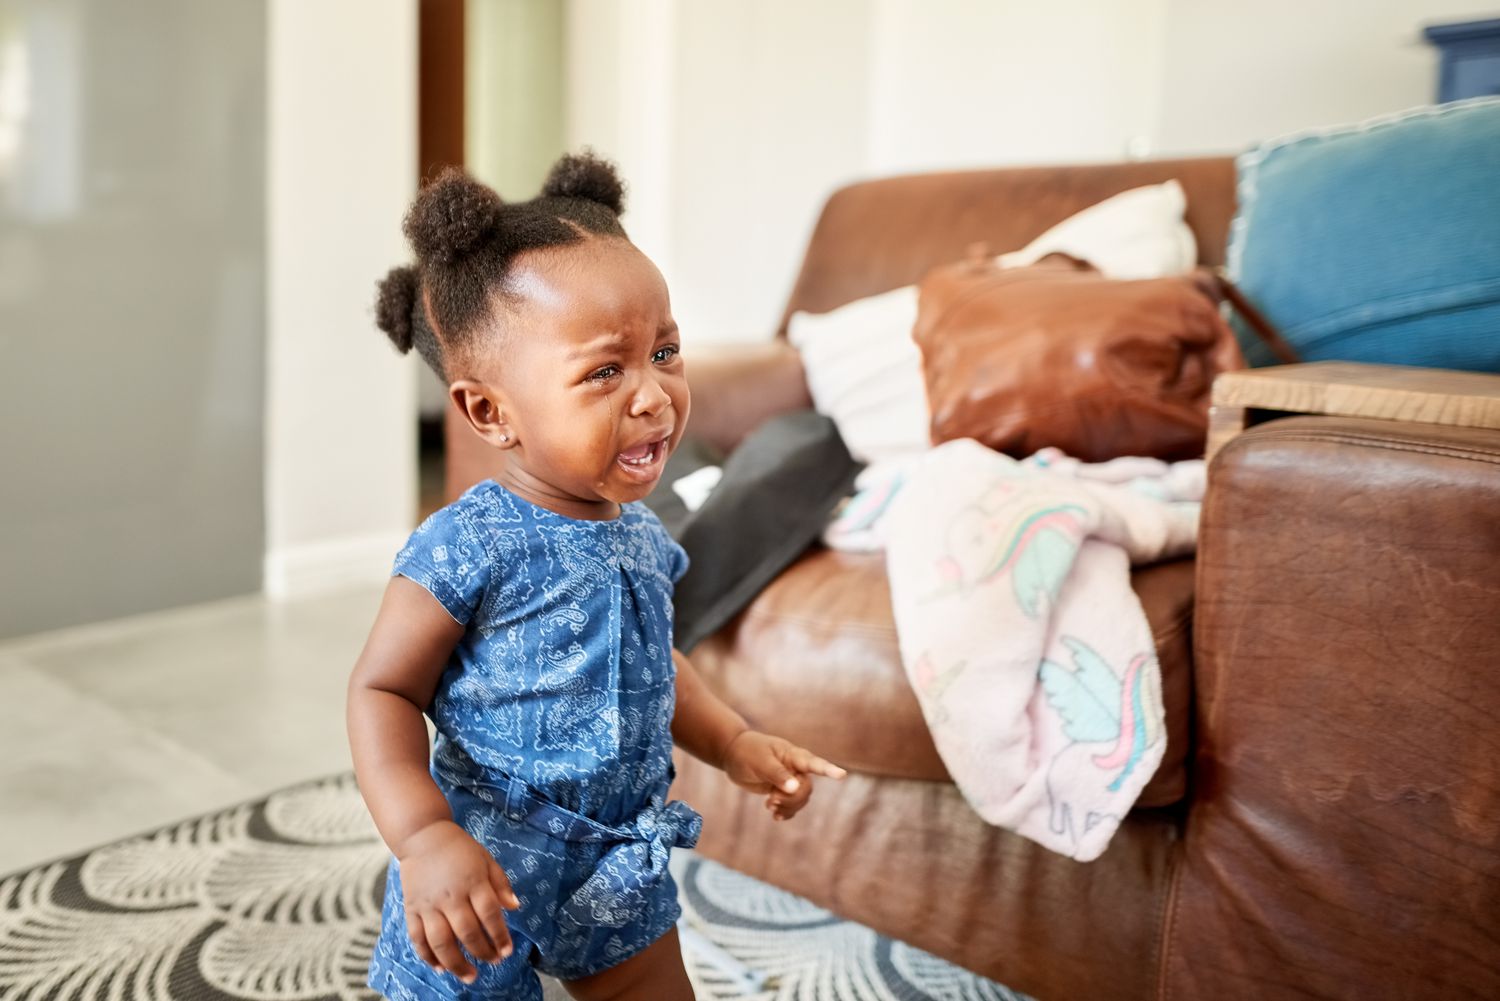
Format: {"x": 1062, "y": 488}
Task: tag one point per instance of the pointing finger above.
{"x": 809, "y": 763}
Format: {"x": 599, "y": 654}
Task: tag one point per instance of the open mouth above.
{"x": 644, "y": 461}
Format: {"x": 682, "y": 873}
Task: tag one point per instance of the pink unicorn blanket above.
{"x": 1020, "y": 633}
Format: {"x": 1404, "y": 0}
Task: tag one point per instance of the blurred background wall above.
{"x": 132, "y": 305}
{"x": 198, "y": 196}
{"x": 733, "y": 121}
{"x": 340, "y": 455}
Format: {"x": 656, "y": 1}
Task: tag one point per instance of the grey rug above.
{"x": 280, "y": 899}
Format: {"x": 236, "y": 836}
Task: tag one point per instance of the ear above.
{"x": 481, "y": 406}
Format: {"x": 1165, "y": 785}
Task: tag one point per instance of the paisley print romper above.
{"x": 554, "y": 744}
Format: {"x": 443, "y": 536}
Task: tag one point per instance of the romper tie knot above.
{"x": 633, "y": 863}
{"x": 623, "y": 883}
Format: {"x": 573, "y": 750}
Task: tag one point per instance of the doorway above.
{"x": 492, "y": 101}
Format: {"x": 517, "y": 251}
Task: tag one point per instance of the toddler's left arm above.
{"x": 707, "y": 728}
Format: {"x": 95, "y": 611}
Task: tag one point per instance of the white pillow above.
{"x": 864, "y": 370}
{"x": 1136, "y": 234}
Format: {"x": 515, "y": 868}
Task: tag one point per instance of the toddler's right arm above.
{"x": 454, "y": 889}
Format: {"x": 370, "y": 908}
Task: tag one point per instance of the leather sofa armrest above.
{"x": 737, "y": 387}
{"x": 1344, "y": 832}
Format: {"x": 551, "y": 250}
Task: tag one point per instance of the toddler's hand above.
{"x": 454, "y": 892}
{"x": 765, "y": 764}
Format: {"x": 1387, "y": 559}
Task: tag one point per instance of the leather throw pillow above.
{"x": 1057, "y": 355}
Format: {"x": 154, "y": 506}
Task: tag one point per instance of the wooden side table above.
{"x": 1350, "y": 389}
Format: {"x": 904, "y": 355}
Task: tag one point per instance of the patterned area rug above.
{"x": 280, "y": 899}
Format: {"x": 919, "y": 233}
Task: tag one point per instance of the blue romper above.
{"x": 554, "y": 743}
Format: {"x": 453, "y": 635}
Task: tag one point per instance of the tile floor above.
{"x": 111, "y": 729}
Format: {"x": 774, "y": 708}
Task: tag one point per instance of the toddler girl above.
{"x": 531, "y": 619}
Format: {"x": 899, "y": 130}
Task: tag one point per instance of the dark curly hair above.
{"x": 466, "y": 240}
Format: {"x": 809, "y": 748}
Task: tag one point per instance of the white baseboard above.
{"x": 336, "y": 565}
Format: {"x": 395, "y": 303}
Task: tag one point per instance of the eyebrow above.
{"x": 607, "y": 343}
{"x": 599, "y": 345}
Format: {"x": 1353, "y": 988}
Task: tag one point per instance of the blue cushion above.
{"x": 1378, "y": 242}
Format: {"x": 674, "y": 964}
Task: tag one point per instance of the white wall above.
{"x": 1236, "y": 73}
{"x": 514, "y": 121}
{"x": 960, "y": 84}
{"x": 769, "y": 100}
{"x": 621, "y": 103}
{"x": 732, "y": 121}
{"x": 340, "y": 421}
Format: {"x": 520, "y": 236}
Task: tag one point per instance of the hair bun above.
{"x": 451, "y": 216}
{"x": 584, "y": 175}
{"x": 396, "y": 303}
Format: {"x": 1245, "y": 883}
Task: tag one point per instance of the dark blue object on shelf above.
{"x": 1471, "y": 58}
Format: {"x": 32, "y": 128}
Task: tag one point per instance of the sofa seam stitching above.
{"x": 1372, "y": 441}
{"x": 1178, "y": 625}
{"x": 1161, "y": 635}
{"x": 1167, "y": 928}
{"x": 819, "y": 624}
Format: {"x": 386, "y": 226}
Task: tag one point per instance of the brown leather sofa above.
{"x": 1327, "y": 820}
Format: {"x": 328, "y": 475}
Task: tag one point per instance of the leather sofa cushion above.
{"x": 814, "y": 659}
{"x": 912, "y": 860}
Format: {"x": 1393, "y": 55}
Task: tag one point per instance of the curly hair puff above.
{"x": 400, "y": 313}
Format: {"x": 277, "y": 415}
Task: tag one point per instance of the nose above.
{"x": 650, "y": 398}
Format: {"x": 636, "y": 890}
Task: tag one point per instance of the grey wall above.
{"x": 132, "y": 342}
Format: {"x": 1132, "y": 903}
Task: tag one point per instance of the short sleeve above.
{"x": 447, "y": 556}
{"x": 673, "y": 555}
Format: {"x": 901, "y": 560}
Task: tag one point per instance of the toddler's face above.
{"x": 590, "y": 375}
